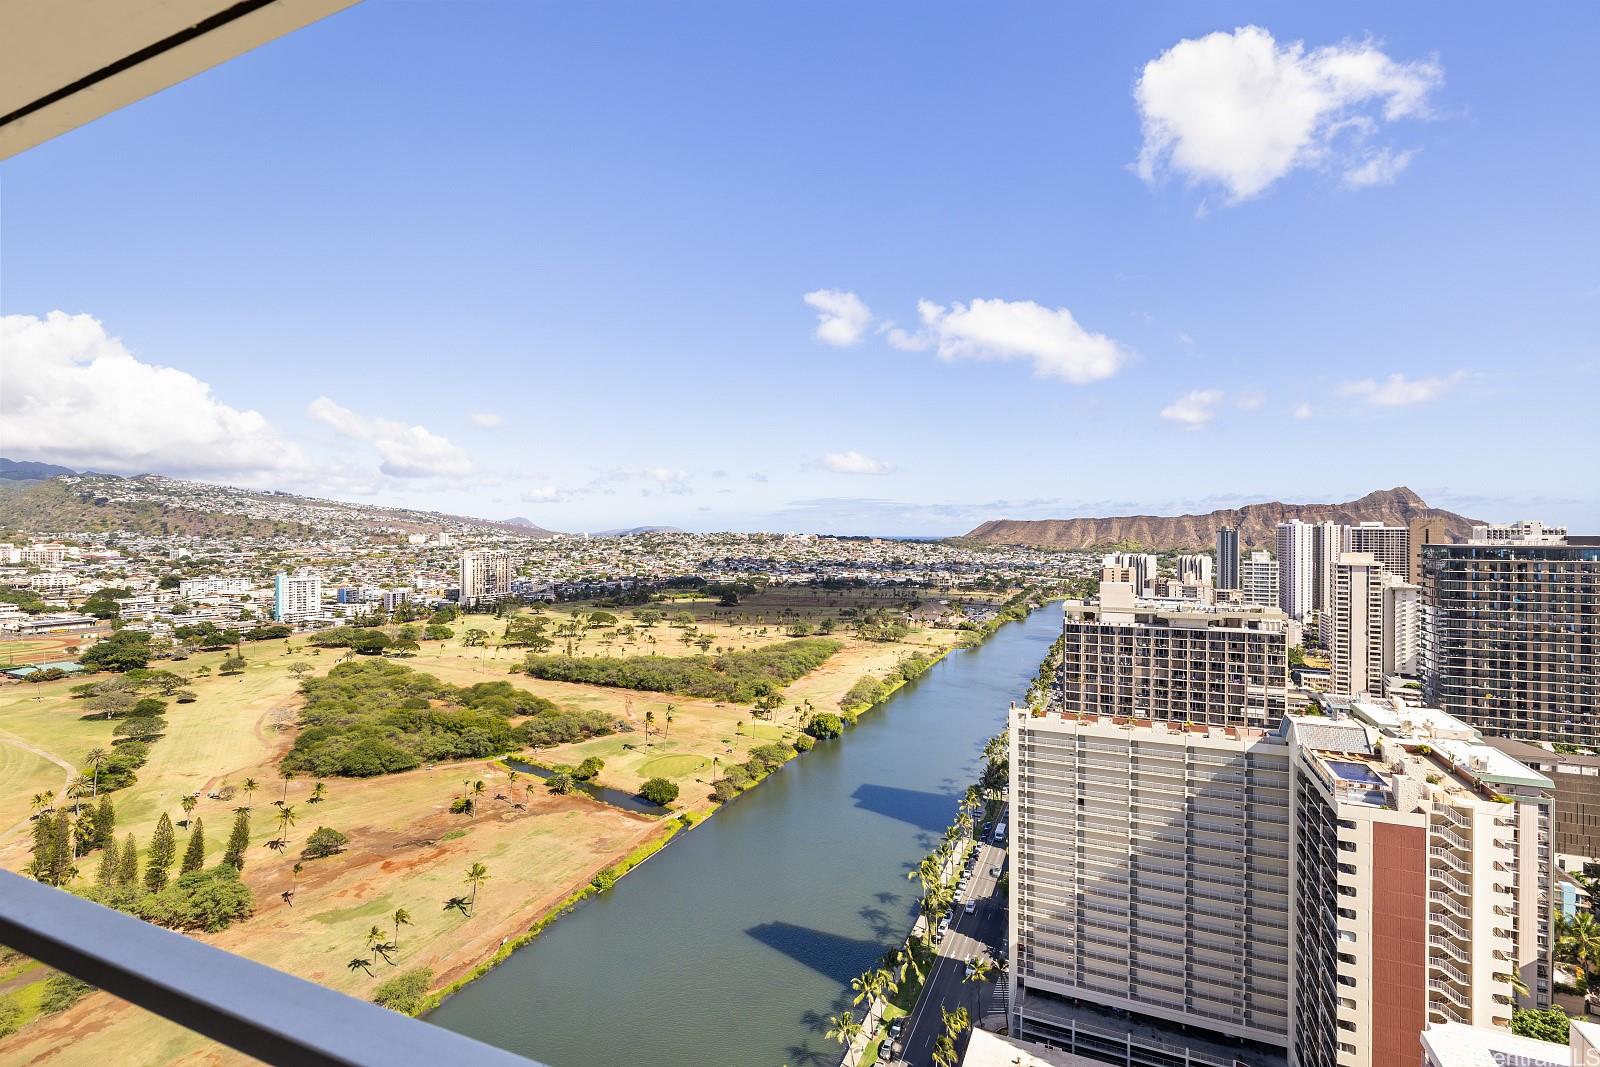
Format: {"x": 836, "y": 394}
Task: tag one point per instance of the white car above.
{"x": 972, "y": 906}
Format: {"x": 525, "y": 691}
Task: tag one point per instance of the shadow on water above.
{"x": 926, "y": 811}
{"x": 833, "y": 955}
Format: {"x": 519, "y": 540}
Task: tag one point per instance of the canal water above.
{"x": 730, "y": 947}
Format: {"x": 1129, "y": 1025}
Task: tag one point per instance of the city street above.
{"x": 978, "y": 934}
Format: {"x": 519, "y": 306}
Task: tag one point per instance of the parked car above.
{"x": 895, "y": 1028}
{"x": 994, "y": 872}
{"x": 972, "y": 906}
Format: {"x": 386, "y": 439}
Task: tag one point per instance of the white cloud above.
{"x": 544, "y": 494}
{"x": 1194, "y": 409}
{"x": 1397, "y": 390}
{"x": 842, "y": 318}
{"x": 72, "y": 394}
{"x": 1240, "y": 111}
{"x": 1302, "y": 410}
{"x": 853, "y": 463}
{"x": 1250, "y": 400}
{"x": 403, "y": 451}
{"x": 487, "y": 419}
{"x": 1381, "y": 167}
{"x": 1020, "y": 329}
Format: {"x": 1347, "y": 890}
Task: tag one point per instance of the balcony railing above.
{"x": 245, "y": 1005}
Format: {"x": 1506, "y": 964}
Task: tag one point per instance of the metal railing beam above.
{"x": 245, "y": 1005}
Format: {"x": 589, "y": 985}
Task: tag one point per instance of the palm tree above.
{"x": 286, "y": 776}
{"x": 477, "y": 874}
{"x": 250, "y": 786}
{"x": 401, "y": 917}
{"x": 944, "y": 1051}
{"x": 982, "y": 970}
{"x": 361, "y": 963}
{"x": 285, "y": 820}
{"x": 649, "y": 724}
{"x": 1514, "y": 980}
{"x": 843, "y": 1028}
{"x": 476, "y": 792}
{"x": 96, "y": 757}
{"x": 188, "y": 803}
{"x": 511, "y": 782}
{"x": 1579, "y": 942}
{"x": 318, "y": 793}
{"x": 42, "y": 804}
{"x": 671, "y": 710}
{"x": 374, "y": 939}
{"x": 457, "y": 903}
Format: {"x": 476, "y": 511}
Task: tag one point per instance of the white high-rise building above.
{"x": 1258, "y": 579}
{"x": 1402, "y": 627}
{"x": 1357, "y": 644}
{"x": 190, "y": 588}
{"x": 1195, "y": 569}
{"x": 296, "y": 596}
{"x": 1320, "y": 893}
{"x": 1327, "y": 541}
{"x": 485, "y": 578}
{"x": 1391, "y": 544}
{"x": 1373, "y": 629}
{"x": 1296, "y": 568}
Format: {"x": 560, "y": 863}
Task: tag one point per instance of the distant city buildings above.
{"x": 1511, "y": 633}
{"x": 1228, "y": 557}
{"x": 484, "y": 578}
{"x": 195, "y": 588}
{"x": 296, "y": 596}
{"x": 1136, "y": 568}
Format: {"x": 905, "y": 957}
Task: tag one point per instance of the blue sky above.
{"x": 552, "y": 260}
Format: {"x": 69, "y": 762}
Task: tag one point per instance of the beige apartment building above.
{"x": 1390, "y": 544}
{"x": 1372, "y": 627}
{"x": 1316, "y": 895}
{"x": 1150, "y": 874}
{"x": 485, "y": 578}
{"x": 1218, "y": 665}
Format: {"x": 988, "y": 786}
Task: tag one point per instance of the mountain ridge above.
{"x": 153, "y": 504}
{"x": 1256, "y": 522}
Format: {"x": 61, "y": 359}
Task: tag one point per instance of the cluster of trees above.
{"x": 734, "y": 676}
{"x": 879, "y": 624}
{"x": 406, "y": 992}
{"x": 764, "y": 759}
{"x": 23, "y": 599}
{"x": 659, "y": 791}
{"x": 197, "y": 899}
{"x": 124, "y": 650}
{"x": 825, "y": 725}
{"x": 361, "y": 640}
{"x": 208, "y": 635}
{"x": 371, "y": 717}
{"x": 102, "y": 603}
